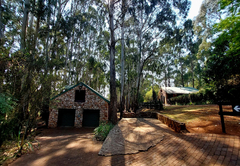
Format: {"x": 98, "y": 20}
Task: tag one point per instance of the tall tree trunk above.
{"x": 192, "y": 74}
{"x": 47, "y": 41}
{"x": 182, "y": 79}
{"x": 36, "y": 33}
{"x": 168, "y": 74}
{"x": 165, "y": 77}
{"x": 24, "y": 25}
{"x": 122, "y": 61}
{"x": 113, "y": 95}
{"x": 128, "y": 98}
{"x": 24, "y": 80}
{"x": 139, "y": 66}
{"x": 1, "y": 24}
{"x": 181, "y": 72}
{"x": 30, "y": 34}
{"x": 66, "y": 62}
{"x": 47, "y": 86}
{"x": 128, "y": 92}
{"x": 2, "y": 70}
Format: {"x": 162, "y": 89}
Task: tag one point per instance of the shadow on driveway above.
{"x": 76, "y": 147}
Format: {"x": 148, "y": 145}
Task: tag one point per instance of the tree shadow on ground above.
{"x": 76, "y": 147}
{"x": 196, "y": 149}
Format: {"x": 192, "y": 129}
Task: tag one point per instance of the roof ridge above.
{"x": 81, "y": 83}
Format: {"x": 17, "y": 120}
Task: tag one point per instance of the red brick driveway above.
{"x": 70, "y": 147}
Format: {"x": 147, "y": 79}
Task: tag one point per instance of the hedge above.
{"x": 205, "y": 96}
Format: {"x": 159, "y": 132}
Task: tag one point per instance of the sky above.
{"x": 195, "y": 7}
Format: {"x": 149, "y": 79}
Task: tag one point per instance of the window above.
{"x": 80, "y": 95}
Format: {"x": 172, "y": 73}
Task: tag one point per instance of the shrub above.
{"x": 102, "y": 131}
{"x": 204, "y": 96}
{"x": 8, "y": 120}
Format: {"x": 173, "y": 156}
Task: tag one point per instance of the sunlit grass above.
{"x": 189, "y": 113}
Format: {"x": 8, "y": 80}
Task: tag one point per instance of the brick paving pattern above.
{"x": 187, "y": 149}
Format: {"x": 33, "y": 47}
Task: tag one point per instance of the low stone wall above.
{"x": 140, "y": 115}
{"x": 175, "y": 125}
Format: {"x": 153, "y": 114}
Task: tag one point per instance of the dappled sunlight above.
{"x": 60, "y": 152}
{"x": 72, "y": 144}
{"x": 42, "y": 160}
{"x": 173, "y": 148}
{"x": 145, "y": 128}
{"x": 139, "y": 136}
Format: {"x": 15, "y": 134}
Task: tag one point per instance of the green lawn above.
{"x": 190, "y": 113}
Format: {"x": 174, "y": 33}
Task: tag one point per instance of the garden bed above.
{"x": 202, "y": 118}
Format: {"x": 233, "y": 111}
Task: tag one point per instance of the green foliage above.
{"x": 204, "y": 96}
{"x": 101, "y": 132}
{"x": 150, "y": 94}
{"x": 222, "y": 67}
{"x": 6, "y": 105}
{"x": 8, "y": 123}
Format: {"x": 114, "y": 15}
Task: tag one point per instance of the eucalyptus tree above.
{"x": 167, "y": 61}
{"x": 130, "y": 68}
{"x": 191, "y": 45}
{"x": 24, "y": 24}
{"x": 113, "y": 95}
{"x": 179, "y": 53}
{"x": 154, "y": 22}
{"x": 123, "y": 12}
{"x": 208, "y": 15}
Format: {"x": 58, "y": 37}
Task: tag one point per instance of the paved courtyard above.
{"x": 63, "y": 146}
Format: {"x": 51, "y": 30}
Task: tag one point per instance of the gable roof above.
{"x": 82, "y": 84}
{"x": 179, "y": 90}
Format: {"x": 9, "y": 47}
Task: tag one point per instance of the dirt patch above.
{"x": 202, "y": 118}
{"x": 131, "y": 135}
{"x": 64, "y": 146}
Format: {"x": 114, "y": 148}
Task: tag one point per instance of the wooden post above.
{"x": 222, "y": 118}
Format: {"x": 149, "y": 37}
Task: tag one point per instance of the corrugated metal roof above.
{"x": 179, "y": 90}
{"x": 69, "y": 87}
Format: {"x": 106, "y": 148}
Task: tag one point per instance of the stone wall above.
{"x": 67, "y": 101}
{"x": 175, "y": 125}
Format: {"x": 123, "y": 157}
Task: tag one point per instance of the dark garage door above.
{"x": 66, "y": 117}
{"x": 91, "y": 118}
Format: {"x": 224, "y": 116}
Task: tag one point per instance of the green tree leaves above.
{"x": 222, "y": 67}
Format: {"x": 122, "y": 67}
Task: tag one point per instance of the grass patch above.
{"x": 189, "y": 113}
{"x": 101, "y": 132}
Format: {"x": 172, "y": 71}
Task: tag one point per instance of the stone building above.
{"x": 78, "y": 106}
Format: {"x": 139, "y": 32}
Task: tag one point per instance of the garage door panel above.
{"x": 66, "y": 117}
{"x": 91, "y": 118}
